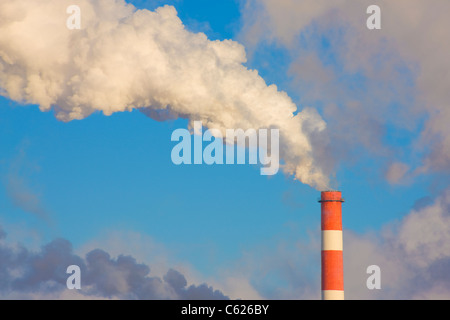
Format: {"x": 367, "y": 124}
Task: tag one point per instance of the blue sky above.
{"x": 83, "y": 179}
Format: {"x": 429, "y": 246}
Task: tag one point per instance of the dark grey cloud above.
{"x": 23, "y": 272}
{"x": 44, "y": 271}
{"x": 178, "y": 282}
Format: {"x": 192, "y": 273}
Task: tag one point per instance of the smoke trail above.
{"x": 404, "y": 65}
{"x": 123, "y": 58}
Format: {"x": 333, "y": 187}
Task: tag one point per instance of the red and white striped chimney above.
{"x": 332, "y": 257}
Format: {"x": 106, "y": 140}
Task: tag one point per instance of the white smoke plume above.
{"x": 123, "y": 59}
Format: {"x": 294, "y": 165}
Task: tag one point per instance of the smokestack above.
{"x": 332, "y": 258}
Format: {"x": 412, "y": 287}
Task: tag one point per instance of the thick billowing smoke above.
{"x": 27, "y": 274}
{"x": 123, "y": 58}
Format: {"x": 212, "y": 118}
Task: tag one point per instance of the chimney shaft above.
{"x": 332, "y": 257}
